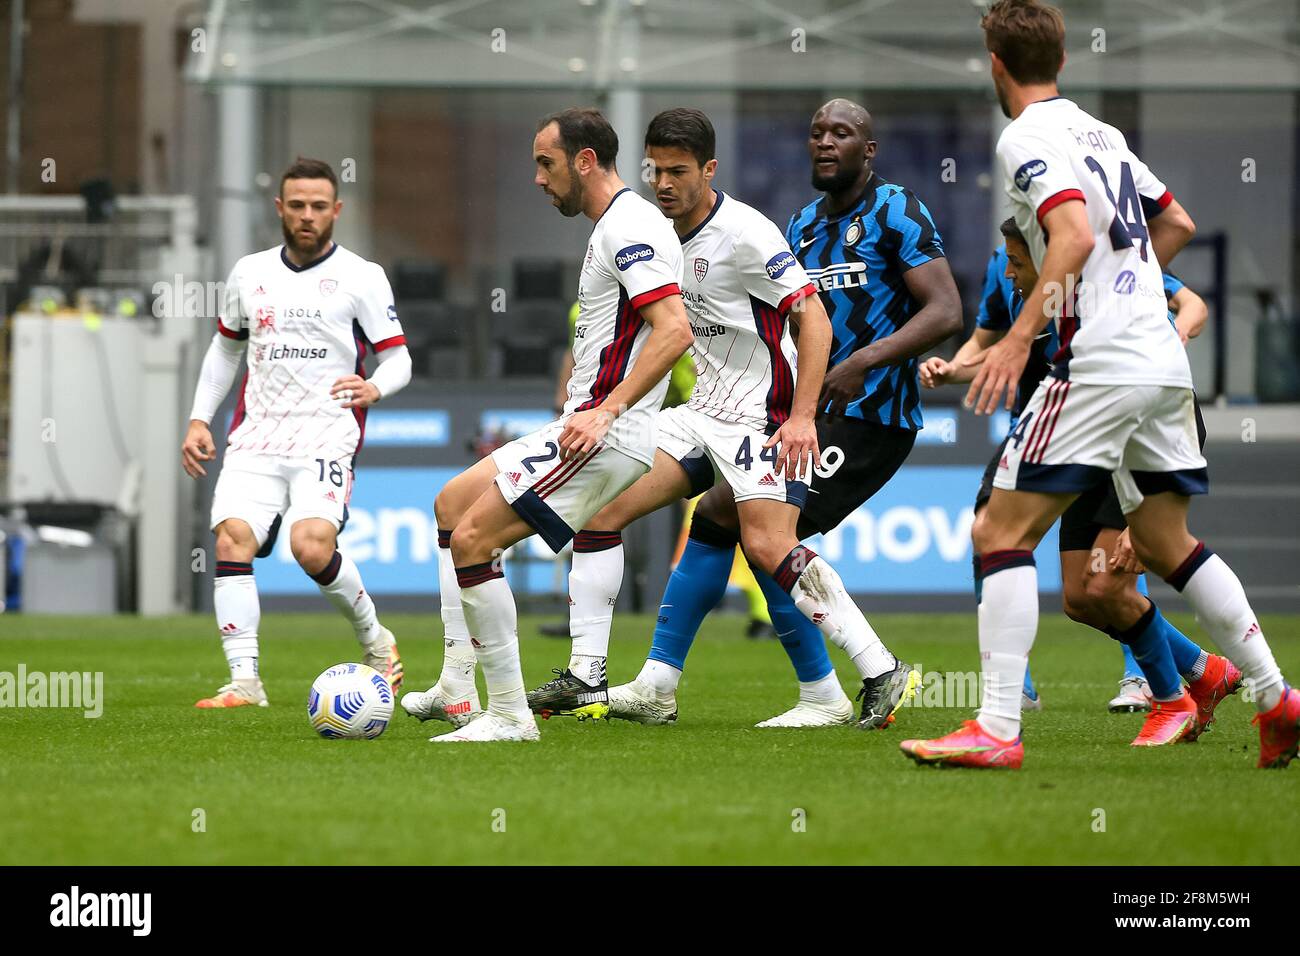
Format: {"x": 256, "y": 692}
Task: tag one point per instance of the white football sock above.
{"x": 1221, "y": 606}
{"x": 819, "y": 593}
{"x": 594, "y": 583}
{"x": 490, "y": 614}
{"x": 238, "y": 611}
{"x": 458, "y": 660}
{"x": 664, "y": 678}
{"x": 588, "y": 668}
{"x": 341, "y": 583}
{"x": 824, "y": 691}
{"x": 1008, "y": 621}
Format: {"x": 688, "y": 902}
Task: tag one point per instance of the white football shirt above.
{"x": 1113, "y": 327}
{"x": 633, "y": 259}
{"x": 306, "y": 327}
{"x": 739, "y": 281}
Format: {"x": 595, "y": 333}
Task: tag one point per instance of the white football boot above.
{"x": 639, "y": 702}
{"x": 438, "y": 704}
{"x": 815, "y": 713}
{"x": 381, "y": 654}
{"x": 490, "y": 727}
{"x": 1134, "y": 696}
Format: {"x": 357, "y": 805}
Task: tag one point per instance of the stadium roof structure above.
{"x": 730, "y": 44}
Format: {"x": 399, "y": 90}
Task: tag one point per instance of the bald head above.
{"x": 841, "y": 148}
{"x": 854, "y": 114}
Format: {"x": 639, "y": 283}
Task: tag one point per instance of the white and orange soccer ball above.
{"x": 350, "y": 701}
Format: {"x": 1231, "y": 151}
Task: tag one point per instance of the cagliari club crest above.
{"x": 701, "y": 269}
{"x": 327, "y": 286}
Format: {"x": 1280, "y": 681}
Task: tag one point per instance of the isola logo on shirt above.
{"x": 629, "y": 255}
{"x": 777, "y": 265}
{"x": 1035, "y": 167}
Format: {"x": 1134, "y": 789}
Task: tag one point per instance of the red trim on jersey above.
{"x": 614, "y": 356}
{"x": 238, "y": 417}
{"x": 359, "y": 413}
{"x": 395, "y": 341}
{"x": 654, "y": 295}
{"x": 770, "y": 325}
{"x": 238, "y": 336}
{"x": 1164, "y": 201}
{"x": 786, "y": 303}
{"x": 1054, "y": 200}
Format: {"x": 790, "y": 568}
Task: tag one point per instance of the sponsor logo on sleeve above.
{"x": 630, "y": 255}
{"x": 392, "y": 313}
{"x": 1035, "y": 167}
{"x": 1125, "y": 282}
{"x": 777, "y": 265}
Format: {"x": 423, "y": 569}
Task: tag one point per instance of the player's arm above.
{"x": 562, "y": 382}
{"x": 1069, "y": 244}
{"x": 936, "y": 371}
{"x": 377, "y": 316}
{"x": 1169, "y": 231}
{"x": 670, "y": 336}
{"x": 931, "y": 284}
{"x": 216, "y": 376}
{"x": 797, "y": 436}
{"x": 1190, "y": 314}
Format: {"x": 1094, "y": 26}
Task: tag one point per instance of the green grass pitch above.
{"x": 125, "y": 788}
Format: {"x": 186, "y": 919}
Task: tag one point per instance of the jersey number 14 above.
{"x": 1129, "y": 225}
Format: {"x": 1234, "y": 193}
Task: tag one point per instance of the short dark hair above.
{"x": 684, "y": 128}
{"x": 304, "y": 168}
{"x": 584, "y": 128}
{"x": 1010, "y": 230}
{"x": 1028, "y": 37}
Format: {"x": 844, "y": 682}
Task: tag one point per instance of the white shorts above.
{"x": 736, "y": 451}
{"x": 257, "y": 489}
{"x": 1073, "y": 435}
{"x": 557, "y": 498}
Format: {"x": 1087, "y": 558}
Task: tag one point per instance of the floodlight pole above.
{"x": 13, "y": 146}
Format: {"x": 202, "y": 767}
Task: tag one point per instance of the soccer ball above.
{"x": 350, "y": 700}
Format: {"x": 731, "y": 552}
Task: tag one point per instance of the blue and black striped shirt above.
{"x": 857, "y": 260}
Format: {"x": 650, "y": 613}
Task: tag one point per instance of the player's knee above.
{"x": 766, "y": 551}
{"x": 466, "y": 540}
{"x": 312, "y": 552}
{"x": 719, "y": 507}
{"x": 235, "y": 542}
{"x": 977, "y": 528}
{"x": 445, "y": 508}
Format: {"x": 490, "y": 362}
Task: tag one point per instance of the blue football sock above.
{"x": 1151, "y": 651}
{"x": 1187, "y": 653}
{"x": 800, "y": 637}
{"x": 695, "y": 588}
{"x": 1131, "y": 667}
{"x": 1029, "y": 690}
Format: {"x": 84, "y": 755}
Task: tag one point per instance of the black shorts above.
{"x": 868, "y": 456}
{"x": 986, "y": 483}
{"x": 1098, "y": 508}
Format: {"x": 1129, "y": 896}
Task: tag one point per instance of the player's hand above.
{"x": 584, "y": 431}
{"x": 935, "y": 371}
{"x": 197, "y": 448}
{"x": 353, "y": 391}
{"x": 1184, "y": 335}
{"x": 797, "y": 439}
{"x": 1125, "y": 558}
{"x": 996, "y": 382}
{"x": 842, "y": 385}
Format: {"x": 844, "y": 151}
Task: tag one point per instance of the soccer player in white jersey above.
{"x": 631, "y": 329}
{"x": 305, "y": 313}
{"x": 748, "y": 422}
{"x": 1118, "y": 404}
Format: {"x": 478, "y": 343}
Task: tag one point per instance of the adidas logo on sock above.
{"x": 228, "y": 629}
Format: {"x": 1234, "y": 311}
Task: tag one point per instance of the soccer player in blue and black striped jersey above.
{"x": 873, "y": 251}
